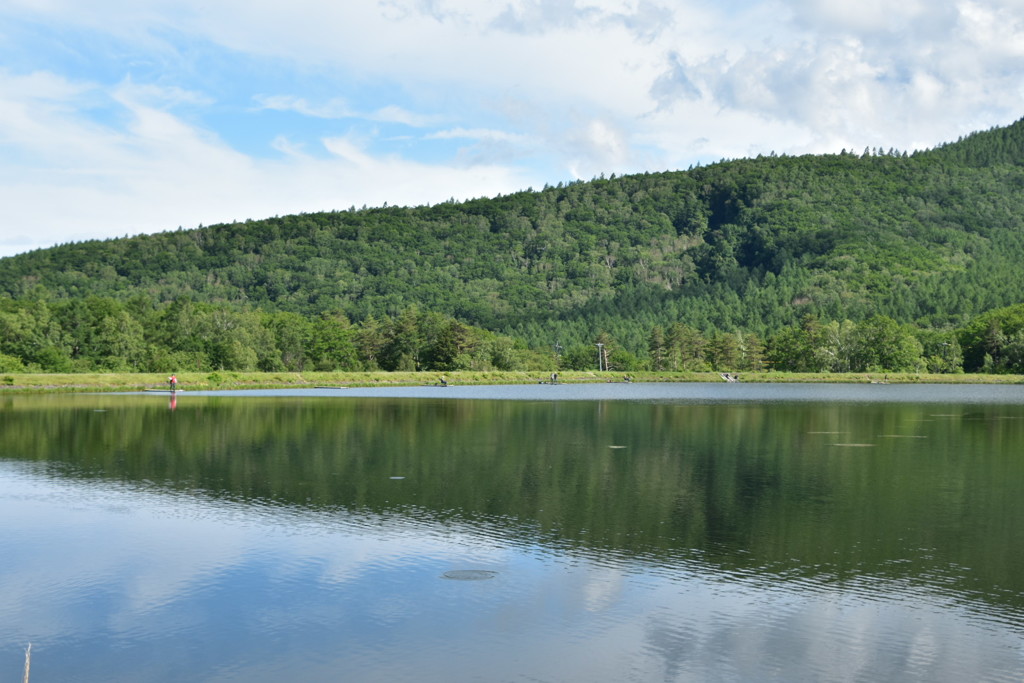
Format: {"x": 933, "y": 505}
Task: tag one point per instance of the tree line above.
{"x": 102, "y": 334}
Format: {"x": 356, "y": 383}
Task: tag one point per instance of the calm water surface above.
{"x": 636, "y": 532}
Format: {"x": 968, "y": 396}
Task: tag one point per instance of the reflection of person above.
{"x": 173, "y": 381}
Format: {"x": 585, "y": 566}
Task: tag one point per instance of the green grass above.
{"x": 43, "y": 382}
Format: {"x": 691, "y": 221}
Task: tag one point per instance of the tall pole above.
{"x": 600, "y": 356}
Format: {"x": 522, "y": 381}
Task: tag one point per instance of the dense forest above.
{"x": 851, "y": 261}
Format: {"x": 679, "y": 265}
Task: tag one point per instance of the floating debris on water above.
{"x": 469, "y": 575}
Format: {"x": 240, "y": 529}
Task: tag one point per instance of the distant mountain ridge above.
{"x": 932, "y": 238}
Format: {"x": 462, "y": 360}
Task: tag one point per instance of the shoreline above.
{"x": 11, "y": 383}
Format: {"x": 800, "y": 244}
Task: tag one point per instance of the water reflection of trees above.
{"x": 752, "y": 488}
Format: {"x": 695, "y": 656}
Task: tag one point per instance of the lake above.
{"x": 601, "y": 532}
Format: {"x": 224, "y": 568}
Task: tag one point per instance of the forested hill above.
{"x": 934, "y": 238}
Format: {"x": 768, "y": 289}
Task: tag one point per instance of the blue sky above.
{"x": 121, "y": 118}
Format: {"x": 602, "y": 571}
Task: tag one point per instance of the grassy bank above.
{"x": 26, "y": 382}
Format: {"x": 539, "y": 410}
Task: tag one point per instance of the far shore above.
{"x": 226, "y": 380}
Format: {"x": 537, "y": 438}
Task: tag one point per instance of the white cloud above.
{"x": 477, "y": 134}
{"x": 866, "y": 16}
{"x": 337, "y": 108}
{"x": 997, "y": 31}
{"x": 541, "y": 16}
{"x": 674, "y": 83}
{"x": 395, "y": 114}
{"x": 332, "y": 109}
{"x": 908, "y": 76}
{"x": 597, "y": 145}
{"x": 522, "y": 91}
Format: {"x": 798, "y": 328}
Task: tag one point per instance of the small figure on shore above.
{"x": 443, "y": 381}
{"x": 173, "y": 381}
{"x": 554, "y": 378}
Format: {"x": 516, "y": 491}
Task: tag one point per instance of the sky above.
{"x": 121, "y": 118}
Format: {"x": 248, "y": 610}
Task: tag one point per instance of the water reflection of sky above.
{"x": 130, "y": 582}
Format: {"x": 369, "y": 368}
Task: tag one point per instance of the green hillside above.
{"x": 933, "y": 239}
